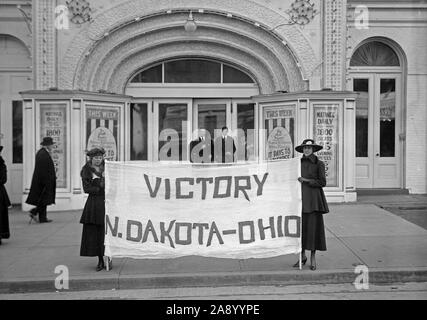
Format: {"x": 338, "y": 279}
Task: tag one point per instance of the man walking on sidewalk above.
{"x": 43, "y": 184}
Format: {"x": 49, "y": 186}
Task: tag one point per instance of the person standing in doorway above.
{"x": 93, "y": 216}
{"x": 314, "y": 205}
{"x": 4, "y": 201}
{"x": 224, "y": 147}
{"x": 202, "y": 148}
{"x": 43, "y": 184}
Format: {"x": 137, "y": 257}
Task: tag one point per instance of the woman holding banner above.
{"x": 314, "y": 205}
{"x": 93, "y": 216}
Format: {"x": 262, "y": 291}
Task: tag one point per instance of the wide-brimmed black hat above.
{"x": 47, "y": 141}
{"x": 95, "y": 152}
{"x": 308, "y": 143}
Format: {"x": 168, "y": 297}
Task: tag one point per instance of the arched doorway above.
{"x": 187, "y": 94}
{"x": 377, "y": 75}
{"x": 15, "y": 76}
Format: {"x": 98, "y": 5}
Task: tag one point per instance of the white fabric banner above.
{"x": 168, "y": 210}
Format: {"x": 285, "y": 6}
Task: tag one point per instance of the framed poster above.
{"x": 102, "y": 129}
{"x": 279, "y": 126}
{"x": 326, "y": 133}
{"x": 53, "y": 123}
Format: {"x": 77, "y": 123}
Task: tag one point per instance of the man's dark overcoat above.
{"x": 43, "y": 183}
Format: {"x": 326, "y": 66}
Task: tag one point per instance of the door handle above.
{"x": 377, "y": 154}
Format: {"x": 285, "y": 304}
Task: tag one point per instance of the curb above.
{"x": 129, "y": 282}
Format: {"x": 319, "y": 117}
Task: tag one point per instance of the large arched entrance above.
{"x": 233, "y": 40}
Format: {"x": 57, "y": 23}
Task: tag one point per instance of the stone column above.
{"x": 350, "y": 150}
{"x": 44, "y": 44}
{"x": 334, "y": 54}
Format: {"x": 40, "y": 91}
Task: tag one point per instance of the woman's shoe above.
{"x": 100, "y": 266}
{"x": 45, "y": 221}
{"x": 33, "y": 217}
{"x": 313, "y": 267}
{"x": 304, "y": 260}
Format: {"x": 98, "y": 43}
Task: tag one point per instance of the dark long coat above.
{"x": 224, "y": 149}
{"x": 93, "y": 215}
{"x": 313, "y": 197}
{"x": 4, "y": 202}
{"x": 205, "y": 154}
{"x": 43, "y": 183}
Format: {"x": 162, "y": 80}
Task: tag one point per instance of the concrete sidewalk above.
{"x": 392, "y": 248}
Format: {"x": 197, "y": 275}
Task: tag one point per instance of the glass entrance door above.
{"x": 238, "y": 115}
{"x": 378, "y": 125}
{"x": 211, "y": 115}
{"x": 172, "y": 129}
{"x": 162, "y": 129}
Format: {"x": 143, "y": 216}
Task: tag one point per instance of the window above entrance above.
{"x": 374, "y": 54}
{"x": 191, "y": 71}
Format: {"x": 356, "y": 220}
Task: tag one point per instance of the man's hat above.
{"x": 47, "y": 141}
{"x": 95, "y": 152}
{"x": 308, "y": 143}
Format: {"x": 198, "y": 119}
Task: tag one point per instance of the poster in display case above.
{"x": 279, "y": 123}
{"x": 102, "y": 129}
{"x": 326, "y": 133}
{"x": 53, "y": 123}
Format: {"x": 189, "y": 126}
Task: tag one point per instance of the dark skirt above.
{"x": 4, "y": 222}
{"x": 92, "y": 240}
{"x": 94, "y": 210}
{"x": 313, "y": 232}
{"x": 4, "y": 213}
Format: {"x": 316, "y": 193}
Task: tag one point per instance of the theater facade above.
{"x": 135, "y": 76}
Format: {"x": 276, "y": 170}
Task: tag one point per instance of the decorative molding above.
{"x": 166, "y": 32}
{"x": 388, "y": 5}
{"x": 79, "y": 10}
{"x": 335, "y": 33}
{"x": 44, "y": 44}
{"x": 301, "y": 13}
{"x": 26, "y": 16}
{"x": 133, "y": 13}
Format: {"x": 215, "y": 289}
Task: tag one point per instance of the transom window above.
{"x": 374, "y": 54}
{"x": 191, "y": 71}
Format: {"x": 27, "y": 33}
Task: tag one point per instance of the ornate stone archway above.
{"x": 104, "y": 55}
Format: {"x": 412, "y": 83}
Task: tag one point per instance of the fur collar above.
{"x": 312, "y": 157}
